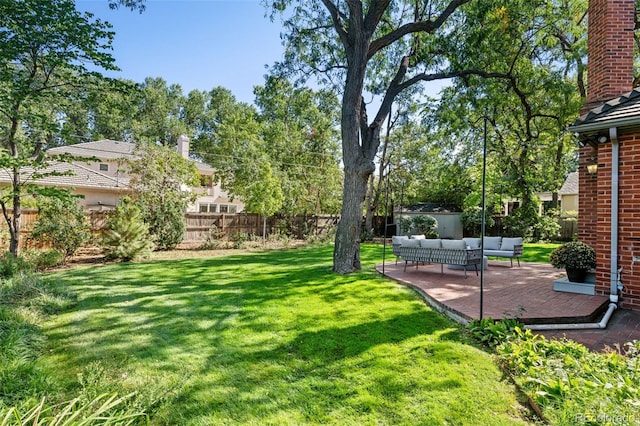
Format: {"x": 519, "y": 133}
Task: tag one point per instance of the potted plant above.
{"x": 576, "y": 258}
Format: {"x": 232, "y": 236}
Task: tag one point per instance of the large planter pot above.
{"x": 576, "y": 275}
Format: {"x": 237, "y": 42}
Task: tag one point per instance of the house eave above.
{"x": 595, "y": 127}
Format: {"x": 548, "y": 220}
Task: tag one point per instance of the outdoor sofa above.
{"x": 451, "y": 252}
{"x": 499, "y": 247}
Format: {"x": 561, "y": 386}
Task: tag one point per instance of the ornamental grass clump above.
{"x": 574, "y": 255}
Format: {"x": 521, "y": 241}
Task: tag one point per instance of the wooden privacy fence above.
{"x": 568, "y": 228}
{"x": 200, "y": 225}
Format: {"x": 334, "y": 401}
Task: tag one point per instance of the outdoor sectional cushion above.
{"x": 499, "y": 253}
{"x": 454, "y": 244}
{"x": 397, "y": 239}
{"x": 410, "y": 243}
{"x": 492, "y": 243}
{"x": 418, "y": 237}
{"x": 431, "y": 243}
{"x": 472, "y": 242}
{"x": 509, "y": 243}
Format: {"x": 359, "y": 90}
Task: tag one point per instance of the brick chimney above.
{"x": 610, "y": 51}
{"x": 183, "y": 146}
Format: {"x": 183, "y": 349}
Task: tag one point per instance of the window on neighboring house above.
{"x": 208, "y": 208}
{"x": 104, "y": 167}
{"x": 224, "y": 208}
{"x": 233, "y": 208}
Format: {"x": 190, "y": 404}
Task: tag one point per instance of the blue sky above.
{"x": 199, "y": 44}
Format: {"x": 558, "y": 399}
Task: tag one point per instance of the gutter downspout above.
{"x": 614, "y": 272}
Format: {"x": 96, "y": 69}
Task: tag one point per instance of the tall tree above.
{"x": 359, "y": 44}
{"x": 299, "y": 130}
{"x": 543, "y": 47}
{"x": 160, "y": 113}
{"x": 48, "y": 48}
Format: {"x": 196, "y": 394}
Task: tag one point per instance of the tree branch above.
{"x": 414, "y": 27}
{"x": 338, "y": 21}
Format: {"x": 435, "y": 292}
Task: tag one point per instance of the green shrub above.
{"x": 239, "y": 240}
{"x": 571, "y": 384}
{"x": 471, "y": 219}
{"x": 492, "y": 333}
{"x": 126, "y": 236}
{"x": 11, "y": 265}
{"x": 573, "y": 255}
{"x": 278, "y": 237}
{"x": 325, "y": 236}
{"x": 214, "y": 239}
{"x": 426, "y": 225}
{"x": 167, "y": 226}
{"x": 44, "y": 259}
{"x": 61, "y": 223}
{"x": 405, "y": 224}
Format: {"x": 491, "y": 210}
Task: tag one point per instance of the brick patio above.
{"x": 525, "y": 292}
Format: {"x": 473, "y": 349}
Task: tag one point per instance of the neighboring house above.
{"x": 100, "y": 191}
{"x": 103, "y": 182}
{"x": 609, "y": 134}
{"x": 568, "y": 194}
{"x": 567, "y": 198}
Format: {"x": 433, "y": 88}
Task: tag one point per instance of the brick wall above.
{"x": 587, "y": 198}
{"x": 629, "y": 218}
{"x": 610, "y": 75}
{"x": 610, "y": 37}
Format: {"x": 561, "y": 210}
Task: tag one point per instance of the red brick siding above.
{"x": 594, "y": 226}
{"x": 629, "y": 218}
{"x": 587, "y": 199}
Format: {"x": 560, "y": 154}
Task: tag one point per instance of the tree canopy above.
{"x": 49, "y": 49}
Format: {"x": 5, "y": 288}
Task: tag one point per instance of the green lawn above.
{"x": 538, "y": 252}
{"x": 271, "y": 338}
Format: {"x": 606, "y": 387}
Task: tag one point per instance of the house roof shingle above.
{"x": 570, "y": 185}
{"x": 107, "y": 149}
{"x": 82, "y": 177}
{"x": 623, "y": 111}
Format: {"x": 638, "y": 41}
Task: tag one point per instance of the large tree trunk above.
{"x": 346, "y": 253}
{"x": 371, "y": 205}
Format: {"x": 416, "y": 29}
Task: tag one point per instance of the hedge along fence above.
{"x": 199, "y": 226}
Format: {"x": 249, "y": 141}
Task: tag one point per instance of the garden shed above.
{"x": 448, "y": 217}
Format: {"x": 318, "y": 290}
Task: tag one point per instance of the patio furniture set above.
{"x": 458, "y": 254}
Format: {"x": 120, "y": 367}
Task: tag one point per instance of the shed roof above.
{"x": 431, "y": 208}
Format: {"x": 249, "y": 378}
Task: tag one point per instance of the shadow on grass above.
{"x": 234, "y": 326}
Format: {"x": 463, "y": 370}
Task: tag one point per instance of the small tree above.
{"x": 127, "y": 235}
{"x": 160, "y": 177}
{"x": 62, "y": 223}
